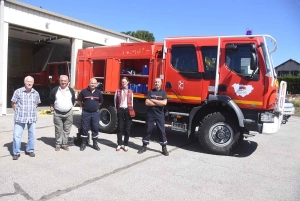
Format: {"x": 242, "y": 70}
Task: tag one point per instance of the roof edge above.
{"x": 71, "y": 19}
{"x": 288, "y": 61}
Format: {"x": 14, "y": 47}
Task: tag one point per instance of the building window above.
{"x": 283, "y": 73}
{"x": 295, "y": 72}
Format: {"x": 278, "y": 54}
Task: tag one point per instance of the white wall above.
{"x": 36, "y": 18}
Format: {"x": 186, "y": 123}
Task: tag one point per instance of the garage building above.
{"x": 31, "y": 37}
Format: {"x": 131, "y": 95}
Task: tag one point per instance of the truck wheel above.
{"x": 219, "y": 133}
{"x": 108, "y": 119}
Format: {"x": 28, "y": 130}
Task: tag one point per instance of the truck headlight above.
{"x": 267, "y": 117}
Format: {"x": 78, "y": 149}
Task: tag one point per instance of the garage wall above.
{"x": 19, "y": 58}
{"x": 24, "y": 56}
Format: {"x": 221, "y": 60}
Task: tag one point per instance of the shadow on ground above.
{"x": 175, "y": 138}
{"x": 180, "y": 140}
{"x": 48, "y": 141}
{"x": 10, "y": 144}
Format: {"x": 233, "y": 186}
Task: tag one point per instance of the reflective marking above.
{"x": 185, "y": 97}
{"x": 248, "y": 102}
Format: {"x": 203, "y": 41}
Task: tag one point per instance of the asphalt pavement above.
{"x": 265, "y": 167}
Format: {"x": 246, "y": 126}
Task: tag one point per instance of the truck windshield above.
{"x": 268, "y": 66}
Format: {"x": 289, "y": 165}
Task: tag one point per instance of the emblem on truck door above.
{"x": 242, "y": 90}
{"x": 180, "y": 85}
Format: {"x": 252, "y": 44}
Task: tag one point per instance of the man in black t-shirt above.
{"x": 156, "y": 100}
{"x": 90, "y": 100}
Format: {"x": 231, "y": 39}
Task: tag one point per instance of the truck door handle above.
{"x": 223, "y": 88}
{"x": 168, "y": 85}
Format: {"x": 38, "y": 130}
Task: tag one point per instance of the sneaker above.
{"x": 125, "y": 148}
{"x": 16, "y": 156}
{"x": 165, "y": 151}
{"x": 118, "y": 148}
{"x": 142, "y": 150}
{"x": 31, "y": 154}
{"x": 57, "y": 148}
{"x": 65, "y": 147}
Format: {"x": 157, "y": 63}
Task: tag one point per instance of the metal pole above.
{"x": 217, "y": 68}
{"x": 3, "y": 88}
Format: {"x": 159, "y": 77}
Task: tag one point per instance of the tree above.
{"x": 141, "y": 34}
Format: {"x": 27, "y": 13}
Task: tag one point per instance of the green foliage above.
{"x": 293, "y": 83}
{"x": 141, "y": 34}
{"x": 296, "y": 102}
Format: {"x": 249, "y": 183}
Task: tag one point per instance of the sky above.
{"x": 164, "y": 18}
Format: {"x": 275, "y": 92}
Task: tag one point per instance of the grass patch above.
{"x": 296, "y": 102}
{"x": 297, "y": 110}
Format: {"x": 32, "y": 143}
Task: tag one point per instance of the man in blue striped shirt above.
{"x": 24, "y": 102}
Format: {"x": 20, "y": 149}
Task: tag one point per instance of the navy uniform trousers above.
{"x": 160, "y": 125}
{"x": 90, "y": 120}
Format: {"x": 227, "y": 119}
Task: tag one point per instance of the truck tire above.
{"x": 218, "y": 133}
{"x": 108, "y": 119}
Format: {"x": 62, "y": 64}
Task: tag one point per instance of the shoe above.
{"x": 95, "y": 145}
{"x": 165, "y": 151}
{"x": 125, "y": 148}
{"x": 118, "y": 148}
{"x": 57, "y": 148}
{"x": 16, "y": 156}
{"x": 83, "y": 144}
{"x": 65, "y": 147}
{"x": 142, "y": 150}
{"x": 31, "y": 154}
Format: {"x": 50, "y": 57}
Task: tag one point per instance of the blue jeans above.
{"x": 17, "y": 138}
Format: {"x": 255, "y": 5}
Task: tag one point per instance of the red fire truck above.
{"x": 48, "y": 78}
{"x": 219, "y": 88}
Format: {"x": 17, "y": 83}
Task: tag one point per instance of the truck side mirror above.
{"x": 253, "y": 48}
{"x": 253, "y": 61}
{"x": 232, "y": 48}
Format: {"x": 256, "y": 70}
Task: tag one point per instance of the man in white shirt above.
{"x": 61, "y": 100}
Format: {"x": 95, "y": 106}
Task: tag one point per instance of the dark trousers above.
{"x": 124, "y": 125}
{"x": 90, "y": 119}
{"x": 160, "y": 125}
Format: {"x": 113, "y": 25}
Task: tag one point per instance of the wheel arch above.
{"x": 210, "y": 105}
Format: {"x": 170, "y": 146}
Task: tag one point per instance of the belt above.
{"x": 59, "y": 112}
{"x": 124, "y": 108}
{"x": 90, "y": 111}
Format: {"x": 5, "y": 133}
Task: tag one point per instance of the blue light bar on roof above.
{"x": 249, "y": 32}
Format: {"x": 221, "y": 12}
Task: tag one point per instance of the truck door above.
{"x": 238, "y": 78}
{"x": 182, "y": 73}
{"x": 112, "y": 75}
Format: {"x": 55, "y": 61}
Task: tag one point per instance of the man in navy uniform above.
{"x": 156, "y": 100}
{"x": 90, "y": 100}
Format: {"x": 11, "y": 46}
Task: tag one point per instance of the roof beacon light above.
{"x": 249, "y": 32}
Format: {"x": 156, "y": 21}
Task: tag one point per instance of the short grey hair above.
{"x": 63, "y": 76}
{"x": 158, "y": 79}
{"x": 28, "y": 77}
